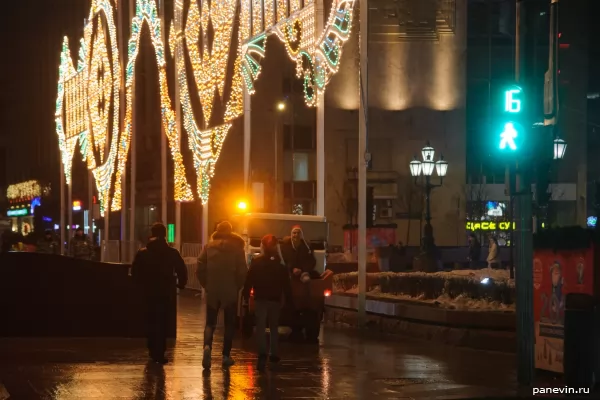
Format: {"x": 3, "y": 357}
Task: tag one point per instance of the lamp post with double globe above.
{"x": 422, "y": 171}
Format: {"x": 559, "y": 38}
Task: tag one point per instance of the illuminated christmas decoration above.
{"x": 87, "y": 95}
{"x": 210, "y": 65}
{"x": 146, "y": 11}
{"x": 257, "y": 20}
{"x": 205, "y": 144}
{"x": 24, "y": 191}
{"x": 66, "y": 144}
{"x": 102, "y": 75}
{"x": 317, "y": 57}
{"x": 253, "y": 53}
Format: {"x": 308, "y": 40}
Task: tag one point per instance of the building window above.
{"x": 299, "y": 137}
{"x": 300, "y": 166}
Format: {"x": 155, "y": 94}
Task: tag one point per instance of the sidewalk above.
{"x": 345, "y": 366}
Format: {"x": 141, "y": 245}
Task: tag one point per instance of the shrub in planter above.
{"x": 430, "y": 286}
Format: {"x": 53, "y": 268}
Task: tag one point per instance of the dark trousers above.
{"x": 157, "y": 322}
{"x": 212, "y": 313}
{"x": 267, "y": 311}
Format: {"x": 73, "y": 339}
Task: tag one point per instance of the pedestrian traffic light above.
{"x": 510, "y": 134}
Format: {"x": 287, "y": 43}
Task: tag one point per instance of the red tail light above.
{"x": 327, "y": 293}
{"x": 252, "y": 292}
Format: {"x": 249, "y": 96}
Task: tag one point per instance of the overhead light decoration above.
{"x": 86, "y": 95}
{"x": 146, "y": 11}
{"x": 317, "y": 54}
{"x": 205, "y": 144}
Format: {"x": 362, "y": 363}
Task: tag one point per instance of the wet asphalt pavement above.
{"x": 345, "y": 365}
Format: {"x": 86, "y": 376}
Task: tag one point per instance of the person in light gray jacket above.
{"x": 222, "y": 273}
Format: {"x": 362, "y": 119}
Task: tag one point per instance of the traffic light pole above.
{"x": 524, "y": 248}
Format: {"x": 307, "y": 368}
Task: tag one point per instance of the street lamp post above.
{"x": 427, "y": 260}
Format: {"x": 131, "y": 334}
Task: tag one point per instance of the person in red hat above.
{"x": 270, "y": 280}
{"x": 298, "y": 256}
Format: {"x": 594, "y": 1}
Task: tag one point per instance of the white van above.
{"x": 253, "y": 226}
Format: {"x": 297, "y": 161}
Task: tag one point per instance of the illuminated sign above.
{"x": 171, "y": 233}
{"x": 508, "y": 136}
{"x": 512, "y": 105}
{"x": 592, "y": 221}
{"x": 76, "y": 205}
{"x": 489, "y": 226}
{"x": 17, "y": 213}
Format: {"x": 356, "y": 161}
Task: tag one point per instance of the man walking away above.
{"x": 222, "y": 271}
{"x": 47, "y": 245}
{"x": 154, "y": 269}
{"x": 270, "y": 279}
{"x": 81, "y": 246}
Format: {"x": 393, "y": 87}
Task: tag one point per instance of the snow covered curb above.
{"x": 459, "y": 290}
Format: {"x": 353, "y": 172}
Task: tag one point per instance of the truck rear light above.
{"x": 327, "y": 293}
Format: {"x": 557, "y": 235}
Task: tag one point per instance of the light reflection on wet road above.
{"x": 344, "y": 366}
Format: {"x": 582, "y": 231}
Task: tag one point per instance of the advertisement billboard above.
{"x": 555, "y": 274}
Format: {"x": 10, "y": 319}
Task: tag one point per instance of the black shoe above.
{"x": 262, "y": 362}
{"x": 274, "y": 359}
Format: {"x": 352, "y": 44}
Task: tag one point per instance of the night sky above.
{"x": 32, "y": 32}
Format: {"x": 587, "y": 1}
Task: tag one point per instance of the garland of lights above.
{"x": 206, "y": 145}
{"x": 66, "y": 147}
{"x": 146, "y": 11}
{"x": 86, "y": 93}
{"x": 317, "y": 60}
{"x": 210, "y": 65}
{"x": 102, "y": 84}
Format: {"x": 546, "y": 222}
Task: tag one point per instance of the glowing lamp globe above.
{"x": 427, "y": 167}
{"x": 560, "y": 147}
{"x": 441, "y": 167}
{"x": 428, "y": 152}
{"x": 415, "y": 167}
{"x": 242, "y": 206}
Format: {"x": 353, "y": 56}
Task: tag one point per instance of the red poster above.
{"x": 555, "y": 275}
{"x": 376, "y": 237}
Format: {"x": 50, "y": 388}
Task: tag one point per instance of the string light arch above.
{"x": 146, "y": 11}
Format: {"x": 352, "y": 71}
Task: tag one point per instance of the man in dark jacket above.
{"x": 270, "y": 280}
{"x": 47, "y": 245}
{"x": 222, "y": 271}
{"x": 298, "y": 256}
{"x": 154, "y": 269}
{"x": 81, "y": 246}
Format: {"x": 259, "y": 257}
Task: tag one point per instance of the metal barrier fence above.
{"x": 128, "y": 251}
{"x": 115, "y": 251}
{"x": 110, "y": 251}
{"x": 190, "y": 253}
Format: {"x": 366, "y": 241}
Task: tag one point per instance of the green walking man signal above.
{"x": 511, "y": 135}
{"x": 508, "y": 137}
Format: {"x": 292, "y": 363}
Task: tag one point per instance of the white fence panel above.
{"x": 190, "y": 253}
{"x": 110, "y": 251}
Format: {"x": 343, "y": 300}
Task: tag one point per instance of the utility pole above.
{"x": 524, "y": 248}
{"x": 363, "y": 156}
